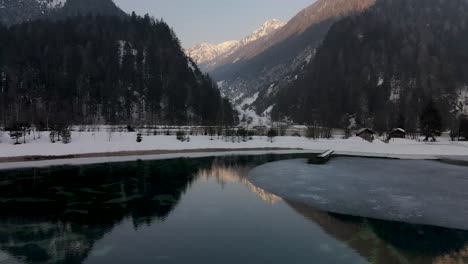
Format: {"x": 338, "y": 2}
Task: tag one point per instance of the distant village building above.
{"x": 366, "y": 134}
{"x": 260, "y": 130}
{"x": 397, "y": 133}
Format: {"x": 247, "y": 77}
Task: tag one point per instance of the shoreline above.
{"x": 98, "y": 158}
{"x": 129, "y": 154}
{"x": 98, "y": 147}
{"x": 38, "y": 161}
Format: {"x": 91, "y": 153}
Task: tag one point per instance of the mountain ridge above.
{"x": 86, "y": 7}
{"x": 282, "y": 56}
{"x": 209, "y": 55}
{"x": 14, "y": 12}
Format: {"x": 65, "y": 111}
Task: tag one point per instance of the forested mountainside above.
{"x": 98, "y": 69}
{"x": 86, "y": 7}
{"x": 382, "y": 67}
{"x": 17, "y": 11}
{"x": 277, "y": 60}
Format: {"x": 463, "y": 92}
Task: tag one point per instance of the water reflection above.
{"x": 385, "y": 242}
{"x": 55, "y": 215}
{"x": 235, "y": 173}
{"x": 58, "y": 215}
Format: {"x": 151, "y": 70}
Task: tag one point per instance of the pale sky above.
{"x": 214, "y": 21}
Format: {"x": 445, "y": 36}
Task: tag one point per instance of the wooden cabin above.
{"x": 397, "y": 133}
{"x": 260, "y": 130}
{"x": 366, "y": 134}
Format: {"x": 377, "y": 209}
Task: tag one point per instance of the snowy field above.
{"x": 99, "y": 142}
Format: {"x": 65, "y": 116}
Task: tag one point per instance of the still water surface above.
{"x": 192, "y": 211}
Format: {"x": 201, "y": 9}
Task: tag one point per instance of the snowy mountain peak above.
{"x": 264, "y": 30}
{"x": 206, "y": 53}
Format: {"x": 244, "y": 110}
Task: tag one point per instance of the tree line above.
{"x": 103, "y": 70}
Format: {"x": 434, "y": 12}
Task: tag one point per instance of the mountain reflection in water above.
{"x": 58, "y": 214}
{"x": 55, "y": 215}
{"x": 387, "y": 242}
{"x": 234, "y": 173}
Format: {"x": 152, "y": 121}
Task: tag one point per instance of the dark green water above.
{"x": 192, "y": 211}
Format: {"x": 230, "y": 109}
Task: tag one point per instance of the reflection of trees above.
{"x": 55, "y": 215}
{"x": 385, "y": 242}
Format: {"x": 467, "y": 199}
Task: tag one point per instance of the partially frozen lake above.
{"x": 193, "y": 210}
{"x": 411, "y": 191}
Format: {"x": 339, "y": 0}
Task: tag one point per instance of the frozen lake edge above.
{"x": 412, "y": 191}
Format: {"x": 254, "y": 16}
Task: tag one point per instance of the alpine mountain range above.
{"x": 372, "y": 63}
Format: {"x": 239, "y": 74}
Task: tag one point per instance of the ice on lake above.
{"x": 412, "y": 191}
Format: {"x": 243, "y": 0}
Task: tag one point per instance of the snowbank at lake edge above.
{"x": 117, "y": 159}
{"x": 100, "y": 142}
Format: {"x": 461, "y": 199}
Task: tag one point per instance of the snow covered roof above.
{"x": 362, "y": 130}
{"x": 398, "y": 130}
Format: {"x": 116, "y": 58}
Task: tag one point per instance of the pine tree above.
{"x": 25, "y": 130}
{"x": 242, "y": 133}
{"x": 52, "y": 135}
{"x": 66, "y": 135}
{"x": 464, "y": 127}
{"x": 181, "y": 135}
{"x": 15, "y": 132}
{"x": 431, "y": 121}
{"x": 272, "y": 133}
{"x": 18, "y": 130}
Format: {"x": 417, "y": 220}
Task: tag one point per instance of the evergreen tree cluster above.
{"x": 384, "y": 66}
{"x": 103, "y": 70}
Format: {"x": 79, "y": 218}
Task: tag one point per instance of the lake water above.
{"x": 192, "y": 211}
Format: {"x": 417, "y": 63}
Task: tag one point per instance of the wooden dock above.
{"x": 326, "y": 155}
{"x": 321, "y": 158}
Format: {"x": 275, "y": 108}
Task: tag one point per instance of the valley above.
{"x": 303, "y": 131}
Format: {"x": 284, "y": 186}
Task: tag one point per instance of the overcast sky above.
{"x": 214, "y": 21}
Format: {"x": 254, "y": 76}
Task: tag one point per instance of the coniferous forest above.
{"x": 383, "y": 67}
{"x": 103, "y": 70}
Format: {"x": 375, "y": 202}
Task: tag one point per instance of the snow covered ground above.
{"x": 98, "y": 142}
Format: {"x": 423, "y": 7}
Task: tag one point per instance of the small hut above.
{"x": 260, "y": 130}
{"x": 366, "y": 134}
{"x": 397, "y": 133}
